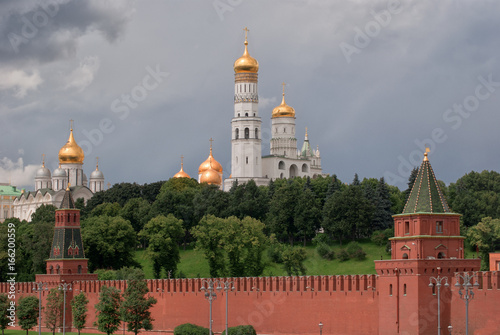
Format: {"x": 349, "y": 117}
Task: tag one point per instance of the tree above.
{"x": 136, "y": 210}
{"x": 79, "y": 310}
{"x": 163, "y": 235}
{"x": 53, "y": 309}
{"x": 108, "y": 317}
{"x": 135, "y": 307}
{"x": 282, "y": 210}
{"x": 109, "y": 242}
{"x": 486, "y": 237}
{"x": 4, "y": 304}
{"x": 107, "y": 208}
{"x": 293, "y": 260}
{"x": 411, "y": 181}
{"x": 382, "y": 216}
{"x": 307, "y": 216}
{"x": 27, "y": 313}
{"x": 209, "y": 235}
{"x": 44, "y": 213}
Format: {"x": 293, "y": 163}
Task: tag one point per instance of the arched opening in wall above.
{"x": 246, "y": 114}
{"x": 390, "y": 289}
{"x": 284, "y": 130}
{"x": 405, "y": 256}
{"x": 57, "y": 269}
{"x": 305, "y": 168}
{"x": 79, "y": 269}
{"x": 281, "y": 175}
{"x": 239, "y": 115}
{"x": 51, "y": 270}
{"x": 253, "y": 114}
{"x": 247, "y": 159}
{"x": 247, "y": 133}
{"x": 275, "y": 130}
{"x": 441, "y": 255}
{"x": 404, "y": 289}
{"x": 256, "y": 132}
{"x": 69, "y": 271}
{"x": 237, "y": 133}
{"x": 294, "y": 171}
{"x": 281, "y": 165}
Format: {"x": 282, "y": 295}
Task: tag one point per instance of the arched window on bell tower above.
{"x": 237, "y": 133}
{"x": 247, "y": 133}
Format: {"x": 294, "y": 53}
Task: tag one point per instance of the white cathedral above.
{"x": 247, "y": 162}
{"x": 50, "y": 188}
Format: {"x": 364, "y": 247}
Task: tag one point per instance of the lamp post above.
{"x": 39, "y": 288}
{"x": 64, "y": 287}
{"x": 450, "y": 328}
{"x": 226, "y": 286}
{"x": 320, "y": 328}
{"x": 210, "y": 295}
{"x": 438, "y": 281}
{"x": 467, "y": 294}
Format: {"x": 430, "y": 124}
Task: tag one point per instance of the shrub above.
{"x": 352, "y": 248}
{"x": 325, "y": 252}
{"x": 380, "y": 237}
{"x": 190, "y": 329}
{"x": 322, "y": 239}
{"x": 359, "y": 254}
{"x": 241, "y": 330}
{"x": 275, "y": 252}
{"x": 343, "y": 255}
{"x": 293, "y": 260}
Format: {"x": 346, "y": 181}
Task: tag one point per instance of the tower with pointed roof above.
{"x": 426, "y": 243}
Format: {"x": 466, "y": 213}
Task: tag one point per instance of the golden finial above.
{"x": 71, "y": 125}
{"x": 427, "y": 150}
{"x": 97, "y": 163}
{"x": 283, "y": 84}
{"x": 69, "y": 185}
{"x": 306, "y": 132}
{"x": 246, "y": 33}
{"x": 211, "y": 140}
{"x": 43, "y": 160}
{"x": 182, "y": 161}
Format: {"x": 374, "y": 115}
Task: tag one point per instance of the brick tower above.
{"x": 67, "y": 258}
{"x": 426, "y": 243}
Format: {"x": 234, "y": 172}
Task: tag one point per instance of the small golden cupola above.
{"x": 71, "y": 152}
{"x": 210, "y": 163}
{"x": 211, "y": 177}
{"x": 246, "y": 63}
{"x": 181, "y": 173}
{"x": 283, "y": 110}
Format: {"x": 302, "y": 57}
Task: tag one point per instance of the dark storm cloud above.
{"x": 44, "y": 32}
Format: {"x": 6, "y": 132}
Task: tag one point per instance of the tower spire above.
{"x": 43, "y": 160}
{"x": 97, "y": 163}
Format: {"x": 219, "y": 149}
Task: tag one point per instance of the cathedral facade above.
{"x": 51, "y": 187}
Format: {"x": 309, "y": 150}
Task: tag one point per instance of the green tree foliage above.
{"x": 109, "y": 242}
{"x": 190, "y": 329}
{"x": 136, "y": 210}
{"x": 79, "y": 311}
{"x": 486, "y": 237}
{"x": 282, "y": 210}
{"x": 475, "y": 196}
{"x": 135, "y": 308}
{"x": 232, "y": 246}
{"x": 293, "y": 260}
{"x": 128, "y": 273}
{"x": 307, "y": 215}
{"x": 44, "y": 213}
{"x": 108, "y": 314}
{"x": 163, "y": 235}
{"x": 54, "y": 310}
{"x": 176, "y": 197}
{"x": 411, "y": 181}
{"x": 397, "y": 199}
{"x": 348, "y": 213}
{"x": 27, "y": 313}
{"x": 107, "y": 208}
{"x": 210, "y": 200}
{"x": 382, "y": 216}
{"x": 248, "y": 200}
{"x": 4, "y": 304}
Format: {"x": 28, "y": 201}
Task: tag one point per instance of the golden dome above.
{"x": 283, "y": 110}
{"x": 181, "y": 173}
{"x": 210, "y": 163}
{"x": 211, "y": 177}
{"x": 71, "y": 152}
{"x": 246, "y": 63}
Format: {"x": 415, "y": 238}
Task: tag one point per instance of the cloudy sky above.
{"x": 148, "y": 81}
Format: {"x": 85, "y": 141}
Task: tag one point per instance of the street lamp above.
{"x": 438, "y": 281}
{"x": 468, "y": 293}
{"x": 226, "y": 286}
{"x": 320, "y": 328}
{"x": 450, "y": 328}
{"x": 210, "y": 295}
{"x": 64, "y": 287}
{"x": 39, "y": 288}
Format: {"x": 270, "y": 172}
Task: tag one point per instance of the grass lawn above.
{"x": 193, "y": 263}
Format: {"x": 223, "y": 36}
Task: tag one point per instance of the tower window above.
{"x": 247, "y": 159}
{"x": 284, "y": 130}
{"x": 246, "y": 114}
{"x": 405, "y": 256}
{"x": 390, "y": 289}
{"x": 253, "y": 114}
{"x": 247, "y": 133}
{"x": 407, "y": 227}
{"x": 275, "y": 130}
{"x": 237, "y": 133}
{"x": 256, "y": 132}
{"x": 439, "y": 226}
{"x": 404, "y": 289}
{"x": 238, "y": 114}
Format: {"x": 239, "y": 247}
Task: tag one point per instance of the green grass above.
{"x": 194, "y": 265}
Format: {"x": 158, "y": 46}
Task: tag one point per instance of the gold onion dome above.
{"x": 181, "y": 173}
{"x": 210, "y": 163}
{"x": 71, "y": 152}
{"x": 246, "y": 63}
{"x": 283, "y": 110}
{"x": 211, "y": 177}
